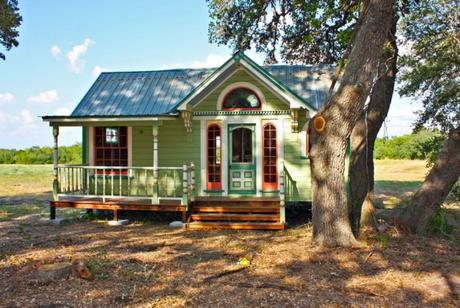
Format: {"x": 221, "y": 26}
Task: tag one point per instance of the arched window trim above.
{"x": 269, "y": 185}
{"x": 237, "y": 85}
{"x": 242, "y": 108}
{"x": 213, "y": 185}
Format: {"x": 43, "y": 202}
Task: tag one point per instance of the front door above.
{"x": 242, "y": 161}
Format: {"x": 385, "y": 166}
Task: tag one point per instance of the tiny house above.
{"x": 227, "y": 146}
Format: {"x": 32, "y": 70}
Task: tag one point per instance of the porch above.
{"x": 148, "y": 178}
{"x": 123, "y": 188}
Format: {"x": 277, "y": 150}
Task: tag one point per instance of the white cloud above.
{"x": 26, "y": 116}
{"x": 55, "y": 51}
{"x": 6, "y": 97}
{"x": 44, "y": 97}
{"x": 62, "y": 111}
{"x": 97, "y": 70}
{"x": 74, "y": 56}
{"x": 401, "y": 116}
{"x": 3, "y": 118}
{"x": 212, "y": 60}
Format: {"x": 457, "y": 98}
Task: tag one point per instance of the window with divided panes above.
{"x": 111, "y": 146}
{"x": 270, "y": 156}
{"x": 214, "y": 157}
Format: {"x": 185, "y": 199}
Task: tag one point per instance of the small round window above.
{"x": 241, "y": 98}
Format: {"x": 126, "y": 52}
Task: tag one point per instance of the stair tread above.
{"x": 235, "y": 225}
{"x": 235, "y": 216}
{"x": 232, "y": 214}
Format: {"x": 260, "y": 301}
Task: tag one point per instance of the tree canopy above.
{"x": 430, "y": 71}
{"x": 297, "y": 31}
{"x": 10, "y": 20}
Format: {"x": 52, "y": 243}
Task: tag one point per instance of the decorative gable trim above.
{"x": 228, "y": 68}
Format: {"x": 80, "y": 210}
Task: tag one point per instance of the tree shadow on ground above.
{"x": 150, "y": 264}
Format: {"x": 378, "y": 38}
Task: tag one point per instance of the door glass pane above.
{"x": 242, "y": 145}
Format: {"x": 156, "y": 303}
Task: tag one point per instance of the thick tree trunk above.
{"x": 417, "y": 215}
{"x": 361, "y": 167}
{"x": 331, "y": 225}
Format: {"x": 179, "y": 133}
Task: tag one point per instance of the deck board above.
{"x": 119, "y": 204}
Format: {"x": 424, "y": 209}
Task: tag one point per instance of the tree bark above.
{"x": 361, "y": 167}
{"x": 416, "y": 217}
{"x": 331, "y": 226}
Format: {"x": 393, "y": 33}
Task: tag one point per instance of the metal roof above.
{"x": 153, "y": 93}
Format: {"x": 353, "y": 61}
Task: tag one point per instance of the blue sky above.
{"x": 64, "y": 45}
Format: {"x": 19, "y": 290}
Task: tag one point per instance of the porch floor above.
{"x": 138, "y": 204}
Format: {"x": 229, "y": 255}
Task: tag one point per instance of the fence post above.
{"x": 282, "y": 196}
{"x": 184, "y": 187}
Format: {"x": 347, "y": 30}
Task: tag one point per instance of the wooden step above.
{"x": 239, "y": 199}
{"x": 235, "y": 217}
{"x": 234, "y": 209}
{"x": 197, "y": 225}
{"x": 238, "y": 203}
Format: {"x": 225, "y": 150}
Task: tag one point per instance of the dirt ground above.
{"x": 148, "y": 264}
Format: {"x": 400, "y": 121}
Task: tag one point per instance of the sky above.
{"x": 64, "y": 45}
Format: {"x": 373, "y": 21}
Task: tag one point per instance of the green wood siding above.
{"x": 298, "y": 183}
{"x": 273, "y": 102}
{"x": 175, "y": 146}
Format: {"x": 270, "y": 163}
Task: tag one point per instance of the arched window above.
{"x": 270, "y": 157}
{"x": 241, "y": 98}
{"x": 214, "y": 158}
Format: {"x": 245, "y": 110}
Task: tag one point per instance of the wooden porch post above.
{"x": 155, "y": 163}
{"x": 55, "y": 171}
{"x": 282, "y": 196}
{"x": 185, "y": 186}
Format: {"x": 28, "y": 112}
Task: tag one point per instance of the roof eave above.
{"x": 100, "y": 120}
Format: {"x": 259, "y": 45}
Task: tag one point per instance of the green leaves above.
{"x": 315, "y": 31}
{"x": 430, "y": 68}
{"x": 10, "y": 20}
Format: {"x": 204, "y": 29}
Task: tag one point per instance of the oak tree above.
{"x": 302, "y": 31}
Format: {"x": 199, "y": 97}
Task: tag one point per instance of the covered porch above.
{"x": 117, "y": 184}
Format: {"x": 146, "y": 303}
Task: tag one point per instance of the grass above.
{"x": 19, "y": 180}
{"x": 400, "y": 170}
{"x": 397, "y": 180}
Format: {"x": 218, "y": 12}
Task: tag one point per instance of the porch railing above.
{"x": 162, "y": 183}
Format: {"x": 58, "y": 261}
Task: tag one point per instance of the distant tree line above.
{"x": 41, "y": 155}
{"x": 424, "y": 144}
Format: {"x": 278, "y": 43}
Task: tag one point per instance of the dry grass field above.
{"x": 148, "y": 264}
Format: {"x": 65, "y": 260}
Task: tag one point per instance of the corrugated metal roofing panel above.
{"x": 152, "y": 93}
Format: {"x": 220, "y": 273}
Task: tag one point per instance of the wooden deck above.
{"x": 204, "y": 213}
{"x": 116, "y": 204}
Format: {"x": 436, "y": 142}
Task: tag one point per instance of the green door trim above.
{"x": 242, "y": 169}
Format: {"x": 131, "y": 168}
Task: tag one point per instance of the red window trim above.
{"x": 213, "y": 185}
{"x": 96, "y": 147}
{"x": 238, "y": 109}
{"x": 269, "y": 185}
